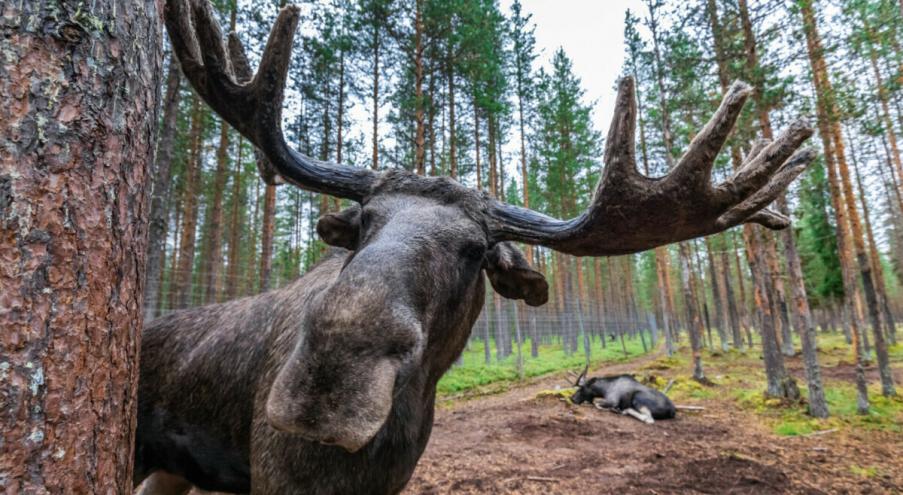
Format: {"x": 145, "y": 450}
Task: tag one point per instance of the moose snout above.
{"x": 347, "y": 414}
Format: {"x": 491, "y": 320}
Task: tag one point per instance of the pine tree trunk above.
{"x": 865, "y": 269}
{"x": 78, "y": 127}
{"x": 174, "y": 257}
{"x": 185, "y": 269}
{"x": 761, "y": 255}
{"x": 162, "y": 184}
{"x": 694, "y": 324}
{"x": 266, "y": 239}
{"x": 235, "y": 227}
{"x": 452, "y": 136}
{"x": 374, "y": 161}
{"x": 476, "y": 147}
{"x": 875, "y": 259}
{"x": 733, "y": 314}
{"x": 213, "y": 256}
{"x": 419, "y": 140}
{"x": 716, "y": 295}
{"x": 814, "y": 50}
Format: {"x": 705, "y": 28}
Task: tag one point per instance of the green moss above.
{"x": 864, "y": 471}
{"x": 685, "y": 387}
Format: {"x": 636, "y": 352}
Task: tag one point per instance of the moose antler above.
{"x": 631, "y": 212}
{"x": 253, "y": 106}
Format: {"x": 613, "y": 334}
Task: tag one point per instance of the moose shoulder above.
{"x": 327, "y": 385}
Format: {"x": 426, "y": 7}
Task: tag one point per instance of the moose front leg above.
{"x": 643, "y": 414}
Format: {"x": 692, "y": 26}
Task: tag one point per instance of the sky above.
{"x": 592, "y": 34}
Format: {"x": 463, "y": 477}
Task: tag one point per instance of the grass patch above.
{"x": 864, "y": 471}
{"x": 474, "y": 373}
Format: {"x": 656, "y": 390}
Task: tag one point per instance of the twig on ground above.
{"x": 531, "y": 478}
{"x": 668, "y": 386}
{"x": 819, "y": 432}
{"x": 542, "y": 478}
{"x": 689, "y": 408}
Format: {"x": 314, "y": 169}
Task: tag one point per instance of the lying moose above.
{"x": 623, "y": 393}
{"x": 328, "y": 385}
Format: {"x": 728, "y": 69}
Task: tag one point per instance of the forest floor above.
{"x": 528, "y": 439}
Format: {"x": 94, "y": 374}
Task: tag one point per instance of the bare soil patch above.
{"x": 516, "y": 443}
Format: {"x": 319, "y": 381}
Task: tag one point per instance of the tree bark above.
{"x": 452, "y": 137}
{"x": 162, "y": 184}
{"x": 823, "y": 115}
{"x": 266, "y": 239}
{"x": 185, "y": 268}
{"x": 235, "y": 227}
{"x": 760, "y": 256}
{"x": 78, "y": 128}
{"x": 374, "y": 160}
{"x": 419, "y": 140}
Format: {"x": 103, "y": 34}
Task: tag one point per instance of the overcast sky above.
{"x": 592, "y": 34}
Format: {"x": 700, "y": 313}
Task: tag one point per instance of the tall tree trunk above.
{"x": 266, "y": 239}
{"x": 185, "y": 268}
{"x": 476, "y": 147}
{"x": 156, "y": 236}
{"x": 694, "y": 324}
{"x": 762, "y": 262}
{"x": 213, "y": 256}
{"x": 661, "y": 252}
{"x": 865, "y": 269}
{"x": 374, "y": 161}
{"x": 875, "y": 258}
{"x": 232, "y": 278}
{"x": 883, "y": 98}
{"x": 174, "y": 257}
{"x": 815, "y": 53}
{"x": 78, "y": 127}
{"x": 419, "y": 140}
{"x": 490, "y": 152}
{"x": 716, "y": 295}
{"x": 452, "y": 136}
{"x": 525, "y": 192}
{"x": 733, "y": 314}
{"x": 669, "y": 160}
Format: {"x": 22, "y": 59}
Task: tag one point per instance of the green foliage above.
{"x": 817, "y": 239}
{"x": 566, "y": 145}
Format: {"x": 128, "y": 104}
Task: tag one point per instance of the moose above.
{"x": 623, "y": 393}
{"x": 328, "y": 384}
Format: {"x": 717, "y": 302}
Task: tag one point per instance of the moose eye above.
{"x": 473, "y": 251}
{"x": 366, "y": 219}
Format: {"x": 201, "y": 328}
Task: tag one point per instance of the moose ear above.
{"x": 512, "y": 277}
{"x": 341, "y": 229}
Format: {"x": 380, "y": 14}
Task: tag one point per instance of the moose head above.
{"x": 406, "y": 297}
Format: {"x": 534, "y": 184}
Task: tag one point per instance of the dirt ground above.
{"x": 516, "y": 443}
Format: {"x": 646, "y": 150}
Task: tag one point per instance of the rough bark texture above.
{"x": 80, "y": 86}
{"x": 420, "y": 125}
{"x": 160, "y": 193}
{"x": 266, "y": 240}
{"x": 819, "y": 73}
